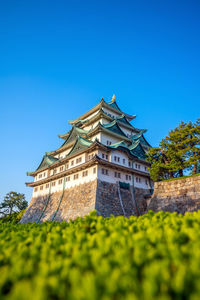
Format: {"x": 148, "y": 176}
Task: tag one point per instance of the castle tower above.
{"x": 100, "y": 165}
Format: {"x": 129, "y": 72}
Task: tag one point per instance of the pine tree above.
{"x": 178, "y": 152}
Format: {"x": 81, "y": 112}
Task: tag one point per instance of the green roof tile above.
{"x": 114, "y": 127}
{"x": 74, "y": 132}
{"x": 137, "y": 150}
{"x": 80, "y": 144}
{"x": 47, "y": 160}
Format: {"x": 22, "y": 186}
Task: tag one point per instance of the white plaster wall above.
{"x": 141, "y": 184}
{"x": 113, "y": 114}
{"x": 97, "y": 136}
{"x": 44, "y": 175}
{"x": 122, "y": 156}
{"x": 105, "y": 137}
{"x": 142, "y": 167}
{"x": 91, "y": 126}
{"x": 111, "y": 176}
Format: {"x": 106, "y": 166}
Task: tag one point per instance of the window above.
{"x": 129, "y": 164}
{"x": 137, "y": 166}
{"x": 103, "y": 155}
{"x": 106, "y": 156}
{"x": 108, "y": 143}
{"x": 118, "y": 159}
{"x": 115, "y": 158}
{"x": 94, "y": 170}
{"x": 128, "y": 177}
{"x": 61, "y": 169}
{"x": 41, "y": 188}
{"x": 67, "y": 166}
{"x": 145, "y": 168}
{"x": 138, "y": 179}
{"x": 54, "y": 171}
{"x": 53, "y": 183}
{"x": 44, "y": 174}
{"x": 78, "y": 160}
{"x": 146, "y": 181}
{"x": 47, "y": 185}
{"x": 75, "y": 176}
{"x": 60, "y": 181}
{"x": 68, "y": 178}
{"x": 104, "y": 171}
{"x": 85, "y": 173}
{"x": 90, "y": 156}
{"x": 40, "y": 176}
{"x": 117, "y": 175}
{"x": 35, "y": 189}
{"x": 72, "y": 163}
{"x": 124, "y": 161}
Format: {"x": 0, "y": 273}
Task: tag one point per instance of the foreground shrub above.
{"x": 155, "y": 256}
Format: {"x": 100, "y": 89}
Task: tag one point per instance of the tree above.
{"x": 13, "y": 202}
{"x": 178, "y": 152}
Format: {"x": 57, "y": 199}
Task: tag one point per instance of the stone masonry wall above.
{"x": 78, "y": 201}
{"x": 108, "y": 201}
{"x": 178, "y": 195}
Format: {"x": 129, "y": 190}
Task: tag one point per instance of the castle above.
{"x": 100, "y": 165}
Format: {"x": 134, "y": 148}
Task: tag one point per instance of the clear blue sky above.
{"x": 58, "y": 58}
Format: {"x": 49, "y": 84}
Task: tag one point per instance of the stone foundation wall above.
{"x": 34, "y": 210}
{"x": 108, "y": 201}
{"x": 78, "y": 201}
{"x": 178, "y": 195}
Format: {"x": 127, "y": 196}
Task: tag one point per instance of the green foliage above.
{"x": 178, "y": 152}
{"x": 13, "y": 218}
{"x": 13, "y": 202}
{"x": 155, "y": 256}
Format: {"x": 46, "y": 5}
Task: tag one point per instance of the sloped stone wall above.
{"x": 34, "y": 210}
{"x": 80, "y": 200}
{"x": 108, "y": 201}
{"x": 178, "y": 195}
{"x": 77, "y": 201}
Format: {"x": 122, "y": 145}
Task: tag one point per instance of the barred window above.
{"x": 85, "y": 173}
{"x": 104, "y": 171}
{"x": 117, "y": 175}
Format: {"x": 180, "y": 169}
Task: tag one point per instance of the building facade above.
{"x": 100, "y": 165}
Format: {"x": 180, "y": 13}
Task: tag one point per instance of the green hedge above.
{"x": 155, "y": 256}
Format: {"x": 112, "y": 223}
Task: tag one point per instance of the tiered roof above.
{"x": 79, "y": 139}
